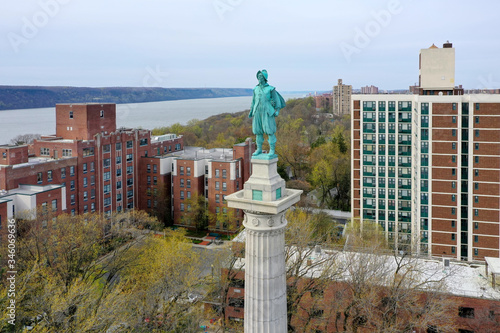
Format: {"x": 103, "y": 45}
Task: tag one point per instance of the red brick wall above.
{"x": 13, "y": 155}
{"x": 86, "y": 121}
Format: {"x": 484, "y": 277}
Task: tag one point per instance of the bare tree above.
{"x": 24, "y": 139}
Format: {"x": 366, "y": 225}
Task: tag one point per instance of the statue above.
{"x": 266, "y": 105}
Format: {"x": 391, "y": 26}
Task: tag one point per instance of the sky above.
{"x": 304, "y": 45}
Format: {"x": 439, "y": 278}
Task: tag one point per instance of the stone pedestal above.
{"x": 264, "y": 199}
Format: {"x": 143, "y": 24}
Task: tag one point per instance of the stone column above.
{"x": 265, "y": 200}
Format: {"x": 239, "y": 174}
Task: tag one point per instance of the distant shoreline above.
{"x": 32, "y": 97}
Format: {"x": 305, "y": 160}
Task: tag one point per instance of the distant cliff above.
{"x": 27, "y": 97}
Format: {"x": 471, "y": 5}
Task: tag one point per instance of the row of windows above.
{"x": 155, "y": 168}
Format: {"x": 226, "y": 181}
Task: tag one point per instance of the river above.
{"x": 144, "y": 115}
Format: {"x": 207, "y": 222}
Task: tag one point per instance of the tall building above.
{"x": 342, "y": 98}
{"x": 427, "y": 169}
{"x": 369, "y": 90}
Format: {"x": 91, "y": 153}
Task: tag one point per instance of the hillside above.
{"x": 26, "y": 97}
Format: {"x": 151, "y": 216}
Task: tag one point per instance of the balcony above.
{"x": 404, "y": 117}
{"x": 404, "y": 175}
{"x": 404, "y": 209}
{"x": 392, "y": 117}
{"x": 404, "y": 186}
{"x": 424, "y": 188}
{"x": 381, "y": 117}
{"x": 404, "y": 151}
{"x": 368, "y": 184}
{"x": 405, "y": 142}
{"x": 404, "y": 106}
{"x": 424, "y": 201}
{"x": 368, "y": 195}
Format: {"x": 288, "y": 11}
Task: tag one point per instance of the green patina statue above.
{"x": 266, "y": 105}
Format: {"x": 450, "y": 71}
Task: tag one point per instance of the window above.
{"x": 39, "y": 177}
{"x": 476, "y": 133}
{"x": 476, "y": 238}
{"x": 182, "y": 182}
{"x": 101, "y": 113}
{"x": 107, "y": 175}
{"x": 188, "y": 183}
{"x": 476, "y": 225}
{"x": 44, "y": 151}
{"x": 465, "y": 312}
{"x": 155, "y": 168}
{"x": 148, "y": 168}
{"x": 71, "y": 115}
{"x": 85, "y": 196}
{"x": 217, "y": 186}
{"x": 54, "y": 205}
{"x": 130, "y": 194}
{"x": 107, "y": 189}
{"x": 476, "y": 172}
{"x": 149, "y": 180}
{"x": 130, "y": 144}
{"x": 182, "y": 195}
{"x": 182, "y": 207}
{"x": 188, "y": 171}
{"x": 118, "y": 146}
{"x": 118, "y": 159}
{"x": 88, "y": 151}
{"x": 130, "y": 157}
{"x": 130, "y": 170}
{"x": 476, "y": 186}
{"x": 217, "y": 198}
{"x": 217, "y": 173}
{"x": 92, "y": 207}
{"x": 476, "y": 199}
{"x": 66, "y": 153}
{"x": 453, "y": 171}
{"x": 72, "y": 170}
{"x": 476, "y": 159}
{"x": 454, "y": 119}
{"x": 224, "y": 186}
{"x": 130, "y": 181}
{"x": 453, "y": 237}
{"x": 453, "y": 184}
{"x": 188, "y": 194}
{"x": 453, "y": 211}
{"x": 72, "y": 185}
{"x": 143, "y": 142}
{"x": 106, "y": 162}
{"x": 476, "y": 252}
{"x": 181, "y": 171}
{"x": 49, "y": 175}
{"x": 453, "y": 145}
{"x": 224, "y": 173}
{"x": 106, "y": 148}
{"x": 92, "y": 166}
{"x": 118, "y": 172}
{"x": 476, "y": 118}
{"x": 72, "y": 199}
{"x": 453, "y": 197}
{"x": 149, "y": 203}
{"x": 119, "y": 197}
{"x": 107, "y": 201}
{"x": 92, "y": 193}
{"x": 453, "y": 158}
{"x": 85, "y": 182}
{"x": 453, "y": 223}
{"x": 454, "y": 132}
{"x": 476, "y": 146}
{"x": 63, "y": 172}
{"x": 155, "y": 180}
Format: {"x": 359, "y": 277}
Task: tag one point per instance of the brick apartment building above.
{"x": 101, "y": 168}
{"x": 427, "y": 167}
{"x": 475, "y": 299}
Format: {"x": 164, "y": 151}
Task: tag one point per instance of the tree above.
{"x": 24, "y": 139}
{"x": 196, "y": 214}
{"x": 290, "y": 146}
{"x": 88, "y": 273}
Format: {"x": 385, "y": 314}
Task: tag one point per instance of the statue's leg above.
{"x": 272, "y": 143}
{"x": 260, "y": 140}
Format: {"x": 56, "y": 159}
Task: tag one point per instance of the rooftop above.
{"x": 199, "y": 153}
{"x": 37, "y": 160}
{"x": 27, "y": 190}
{"x": 460, "y": 278}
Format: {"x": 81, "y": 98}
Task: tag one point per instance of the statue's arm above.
{"x": 250, "y": 114}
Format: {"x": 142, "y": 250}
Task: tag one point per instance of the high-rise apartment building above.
{"x": 342, "y": 98}
{"x": 369, "y": 90}
{"x": 427, "y": 169}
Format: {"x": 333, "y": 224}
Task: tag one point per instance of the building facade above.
{"x": 342, "y": 99}
{"x": 369, "y": 90}
{"x": 427, "y": 169}
{"x": 107, "y": 169}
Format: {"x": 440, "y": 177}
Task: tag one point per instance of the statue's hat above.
{"x": 264, "y": 72}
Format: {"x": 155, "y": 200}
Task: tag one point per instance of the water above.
{"x": 143, "y": 115}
